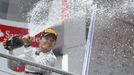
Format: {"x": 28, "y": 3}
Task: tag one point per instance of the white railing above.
{"x": 5, "y": 72}
{"x": 59, "y": 71}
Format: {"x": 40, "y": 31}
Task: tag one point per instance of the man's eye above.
{"x": 52, "y": 39}
{"x": 48, "y": 38}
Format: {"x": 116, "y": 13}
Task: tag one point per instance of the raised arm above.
{"x": 10, "y": 44}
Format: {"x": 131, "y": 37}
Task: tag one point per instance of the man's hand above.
{"x": 26, "y": 40}
{"x": 5, "y": 44}
{"x": 12, "y": 42}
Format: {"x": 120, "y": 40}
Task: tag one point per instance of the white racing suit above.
{"x": 48, "y": 59}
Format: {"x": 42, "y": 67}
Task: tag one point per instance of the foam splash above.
{"x": 43, "y": 16}
{"x": 116, "y": 8}
{"x": 114, "y": 31}
{"x": 48, "y": 13}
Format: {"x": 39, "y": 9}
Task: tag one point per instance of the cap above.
{"x": 49, "y": 31}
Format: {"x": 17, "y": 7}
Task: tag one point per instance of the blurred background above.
{"x": 113, "y": 43}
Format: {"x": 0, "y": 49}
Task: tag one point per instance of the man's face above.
{"x": 46, "y": 43}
